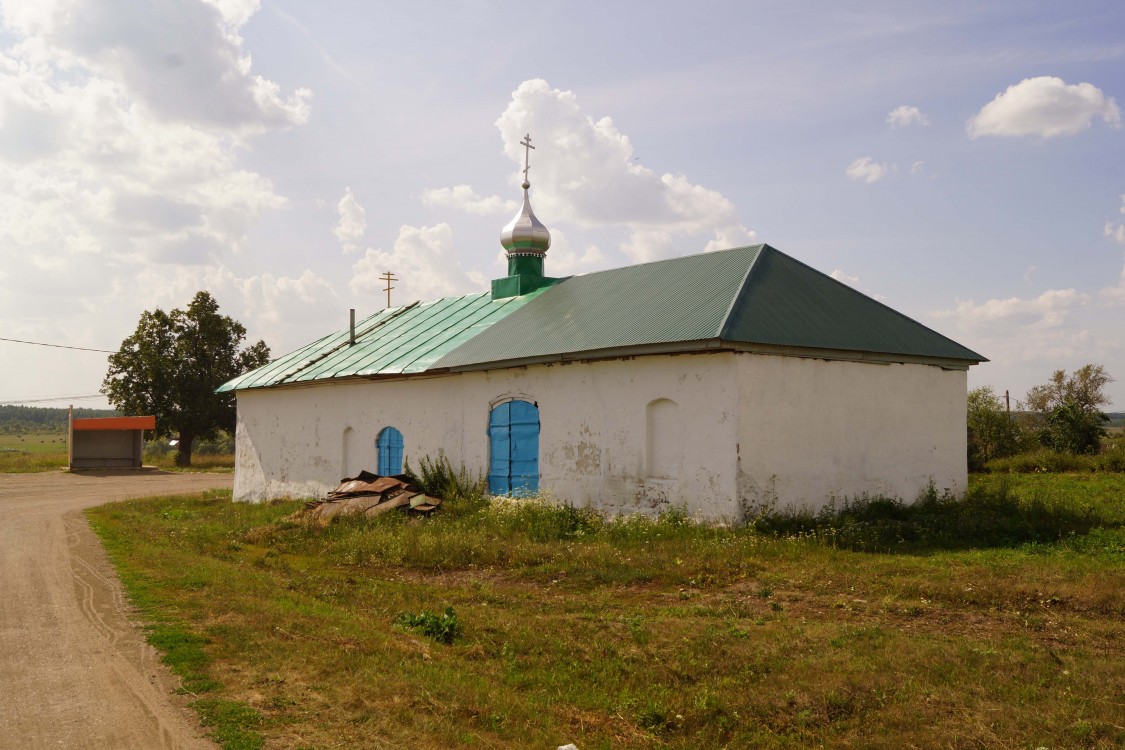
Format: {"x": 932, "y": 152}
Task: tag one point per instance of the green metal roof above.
{"x": 786, "y": 303}
{"x": 749, "y": 295}
{"x": 395, "y": 341}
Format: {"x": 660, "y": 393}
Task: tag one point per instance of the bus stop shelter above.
{"x": 108, "y": 442}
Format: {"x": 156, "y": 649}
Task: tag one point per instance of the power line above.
{"x": 53, "y": 398}
{"x": 58, "y": 346}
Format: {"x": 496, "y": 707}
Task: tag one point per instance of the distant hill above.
{"x": 17, "y": 419}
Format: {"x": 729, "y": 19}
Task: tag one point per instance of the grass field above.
{"x": 564, "y": 627}
{"x": 38, "y": 451}
{"x": 47, "y": 451}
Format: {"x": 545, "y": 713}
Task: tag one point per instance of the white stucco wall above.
{"x": 810, "y": 430}
{"x": 594, "y": 440}
{"x": 742, "y": 430}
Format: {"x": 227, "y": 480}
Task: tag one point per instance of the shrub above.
{"x": 991, "y": 431}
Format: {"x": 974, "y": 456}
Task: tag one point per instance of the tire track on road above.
{"x": 75, "y": 671}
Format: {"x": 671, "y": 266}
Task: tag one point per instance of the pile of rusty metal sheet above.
{"x": 372, "y": 495}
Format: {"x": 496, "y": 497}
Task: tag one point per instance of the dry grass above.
{"x": 199, "y": 462}
{"x": 643, "y": 634}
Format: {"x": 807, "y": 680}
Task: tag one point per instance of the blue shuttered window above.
{"x": 389, "y": 447}
{"x": 513, "y": 437}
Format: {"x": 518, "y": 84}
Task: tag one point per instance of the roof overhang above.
{"x": 716, "y": 345}
{"x": 115, "y": 423}
{"x": 702, "y": 346}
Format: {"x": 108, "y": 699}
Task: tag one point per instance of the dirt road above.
{"x": 74, "y": 672}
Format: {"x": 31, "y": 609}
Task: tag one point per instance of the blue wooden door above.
{"x": 513, "y": 438}
{"x": 389, "y": 448}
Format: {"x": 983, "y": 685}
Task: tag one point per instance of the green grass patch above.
{"x": 33, "y": 442}
{"x": 183, "y": 645}
{"x": 993, "y": 513}
{"x": 873, "y": 626}
{"x": 1111, "y": 459}
{"x": 235, "y": 724}
{"x": 32, "y": 451}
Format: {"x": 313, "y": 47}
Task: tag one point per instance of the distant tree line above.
{"x": 1064, "y": 415}
{"x": 16, "y": 420}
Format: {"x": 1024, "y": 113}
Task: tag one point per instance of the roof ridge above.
{"x": 665, "y": 260}
{"x": 724, "y": 325}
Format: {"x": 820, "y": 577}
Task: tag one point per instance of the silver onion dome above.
{"x": 525, "y": 234}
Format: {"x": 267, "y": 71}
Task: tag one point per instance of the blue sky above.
{"x": 962, "y": 162}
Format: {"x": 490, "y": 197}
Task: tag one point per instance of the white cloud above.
{"x": 120, "y": 185}
{"x": 853, "y": 282}
{"x": 106, "y": 172}
{"x": 424, "y": 260}
{"x": 353, "y": 221}
{"x": 904, "y": 115}
{"x": 562, "y": 260}
{"x": 1038, "y": 334}
{"x": 916, "y": 167}
{"x": 270, "y": 300}
{"x": 645, "y": 245}
{"x": 1045, "y": 106}
{"x": 1116, "y": 232}
{"x": 464, "y": 198}
{"x": 183, "y": 61}
{"x": 732, "y": 235}
{"x": 277, "y": 308}
{"x": 1050, "y": 309}
{"x": 839, "y": 275}
{"x": 1115, "y": 295}
{"x": 236, "y": 12}
{"x": 584, "y": 171}
{"x": 868, "y": 170}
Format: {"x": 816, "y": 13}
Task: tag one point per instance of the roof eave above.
{"x": 716, "y": 344}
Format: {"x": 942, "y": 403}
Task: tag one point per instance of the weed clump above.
{"x": 443, "y": 628}
{"x": 437, "y": 477}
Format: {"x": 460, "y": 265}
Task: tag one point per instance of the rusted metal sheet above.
{"x": 371, "y": 495}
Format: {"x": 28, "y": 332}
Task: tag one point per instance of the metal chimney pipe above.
{"x": 351, "y": 316}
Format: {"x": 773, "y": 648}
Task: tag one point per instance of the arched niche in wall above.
{"x": 351, "y": 458}
{"x": 663, "y": 440}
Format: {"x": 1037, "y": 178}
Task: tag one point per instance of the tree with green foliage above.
{"x": 1067, "y": 409}
{"x": 991, "y": 431}
{"x": 171, "y": 366}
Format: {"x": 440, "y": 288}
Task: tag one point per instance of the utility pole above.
{"x": 388, "y": 277}
{"x": 1008, "y": 404}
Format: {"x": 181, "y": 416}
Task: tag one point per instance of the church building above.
{"x": 717, "y": 382}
